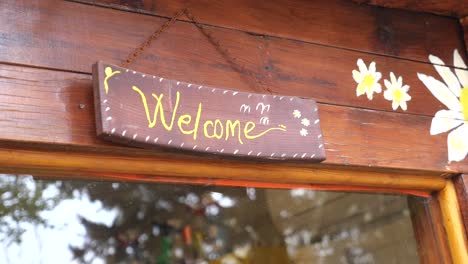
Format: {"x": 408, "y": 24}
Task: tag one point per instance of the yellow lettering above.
{"x": 184, "y": 120}
{"x": 230, "y": 126}
{"x": 158, "y": 108}
{"x": 205, "y": 131}
{"x": 161, "y": 113}
{"x": 216, "y": 124}
{"x": 145, "y": 105}
{"x": 249, "y": 126}
{"x": 217, "y": 127}
{"x": 197, "y": 121}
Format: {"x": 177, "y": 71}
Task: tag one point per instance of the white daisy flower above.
{"x": 303, "y": 132}
{"x": 397, "y": 92}
{"x": 367, "y": 79}
{"x": 305, "y": 122}
{"x": 297, "y": 114}
{"x": 453, "y": 94}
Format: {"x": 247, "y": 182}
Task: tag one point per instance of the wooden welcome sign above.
{"x": 148, "y": 111}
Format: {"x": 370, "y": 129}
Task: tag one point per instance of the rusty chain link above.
{"x": 241, "y": 70}
{"x": 150, "y": 39}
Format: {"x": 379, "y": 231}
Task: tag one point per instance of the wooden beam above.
{"x": 453, "y": 224}
{"x": 461, "y": 186}
{"x": 56, "y": 108}
{"x": 338, "y": 23}
{"x": 104, "y": 165}
{"x": 58, "y": 175}
{"x": 429, "y": 231}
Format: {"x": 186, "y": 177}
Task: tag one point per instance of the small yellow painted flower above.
{"x": 303, "y": 132}
{"x": 397, "y": 92}
{"x": 305, "y": 122}
{"x": 297, "y": 114}
{"x": 367, "y": 79}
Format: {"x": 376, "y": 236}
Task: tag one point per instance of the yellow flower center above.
{"x": 464, "y": 102}
{"x": 457, "y": 144}
{"x": 368, "y": 81}
{"x": 397, "y": 95}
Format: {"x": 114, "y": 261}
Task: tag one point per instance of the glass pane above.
{"x": 116, "y": 222}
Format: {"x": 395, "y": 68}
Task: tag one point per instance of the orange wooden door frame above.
{"x": 74, "y": 163}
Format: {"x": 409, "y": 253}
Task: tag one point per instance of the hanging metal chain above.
{"x": 241, "y": 70}
{"x": 150, "y": 39}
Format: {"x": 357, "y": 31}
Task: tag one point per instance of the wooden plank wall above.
{"x": 301, "y": 48}
{"x": 453, "y": 8}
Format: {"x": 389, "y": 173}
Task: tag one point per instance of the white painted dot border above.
{"x": 135, "y": 136}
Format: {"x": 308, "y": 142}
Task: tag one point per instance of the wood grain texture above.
{"x": 464, "y": 24}
{"x": 461, "y": 186}
{"x": 55, "y": 174}
{"x": 429, "y": 230}
{"x": 284, "y": 66}
{"x": 53, "y": 107}
{"x": 105, "y": 164}
{"x": 338, "y": 23}
{"x": 454, "y": 227}
{"x": 456, "y": 8}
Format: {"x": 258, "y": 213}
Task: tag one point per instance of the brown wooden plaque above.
{"x": 147, "y": 111}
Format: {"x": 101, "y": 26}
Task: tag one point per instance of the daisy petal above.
{"x": 377, "y": 76}
{"x": 458, "y": 61}
{"x": 447, "y": 75}
{"x": 362, "y": 66}
{"x": 360, "y": 90}
{"x": 406, "y": 97}
{"x": 392, "y": 77}
{"x": 445, "y": 120}
{"x": 403, "y": 105}
{"x": 357, "y": 76}
{"x": 388, "y": 84}
{"x": 462, "y": 76}
{"x": 435, "y": 60}
{"x": 457, "y": 143}
{"x": 395, "y": 105}
{"x": 378, "y": 88}
{"x": 370, "y": 95}
{"x": 441, "y": 92}
{"x": 388, "y": 95}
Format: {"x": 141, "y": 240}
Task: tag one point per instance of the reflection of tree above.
{"x": 160, "y": 223}
{"x": 154, "y": 223}
{"x": 22, "y": 201}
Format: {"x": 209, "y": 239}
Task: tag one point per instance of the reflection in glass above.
{"x": 103, "y": 222}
